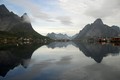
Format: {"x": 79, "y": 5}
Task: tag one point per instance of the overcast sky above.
{"x": 65, "y": 16}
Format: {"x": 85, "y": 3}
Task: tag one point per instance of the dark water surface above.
{"x": 60, "y": 61}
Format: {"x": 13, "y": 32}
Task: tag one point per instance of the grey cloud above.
{"x": 33, "y": 8}
{"x": 41, "y": 15}
{"x": 65, "y": 20}
{"x": 106, "y": 9}
{"x": 26, "y": 18}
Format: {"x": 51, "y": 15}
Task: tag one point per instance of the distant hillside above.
{"x": 74, "y": 36}
{"x": 11, "y": 23}
{"x": 98, "y": 29}
{"x": 59, "y": 36}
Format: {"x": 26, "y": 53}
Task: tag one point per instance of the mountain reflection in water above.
{"x": 93, "y": 50}
{"x": 13, "y": 56}
{"x": 98, "y": 51}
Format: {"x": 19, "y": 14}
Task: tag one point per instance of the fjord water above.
{"x": 60, "y": 61}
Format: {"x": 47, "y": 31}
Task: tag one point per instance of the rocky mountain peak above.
{"x": 58, "y": 36}
{"x": 25, "y": 14}
{"x": 98, "y": 21}
{"x": 98, "y": 29}
{"x": 25, "y": 18}
{"x": 3, "y": 9}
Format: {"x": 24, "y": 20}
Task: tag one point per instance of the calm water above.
{"x": 60, "y": 61}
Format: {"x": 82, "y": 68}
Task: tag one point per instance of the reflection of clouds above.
{"x": 32, "y": 71}
{"x": 93, "y": 72}
{"x": 64, "y": 60}
{"x": 103, "y": 72}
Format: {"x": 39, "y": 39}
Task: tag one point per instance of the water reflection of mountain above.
{"x": 94, "y": 50}
{"x": 59, "y": 44}
{"x": 98, "y": 51}
{"x": 12, "y": 56}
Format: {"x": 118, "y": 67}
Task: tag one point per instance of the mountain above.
{"x": 59, "y": 36}
{"x": 74, "y": 36}
{"x": 11, "y": 23}
{"x": 98, "y": 29}
{"x": 116, "y": 28}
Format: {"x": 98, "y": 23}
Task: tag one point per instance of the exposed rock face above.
{"x": 98, "y": 29}
{"x": 116, "y": 28}
{"x": 58, "y": 36}
{"x": 7, "y": 19}
{"x": 12, "y": 23}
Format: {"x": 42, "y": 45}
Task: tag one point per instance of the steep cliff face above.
{"x": 12, "y": 23}
{"x": 98, "y": 29}
{"x": 116, "y": 28}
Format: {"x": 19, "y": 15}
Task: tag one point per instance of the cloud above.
{"x": 26, "y": 18}
{"x": 86, "y": 11}
{"x": 92, "y": 8}
{"x": 33, "y": 8}
{"x": 65, "y": 20}
{"x": 106, "y": 9}
{"x": 75, "y": 6}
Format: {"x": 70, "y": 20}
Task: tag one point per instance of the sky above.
{"x": 65, "y": 16}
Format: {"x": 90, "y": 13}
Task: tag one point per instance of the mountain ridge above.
{"x": 58, "y": 36}
{"x": 14, "y": 24}
{"x": 97, "y": 30}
